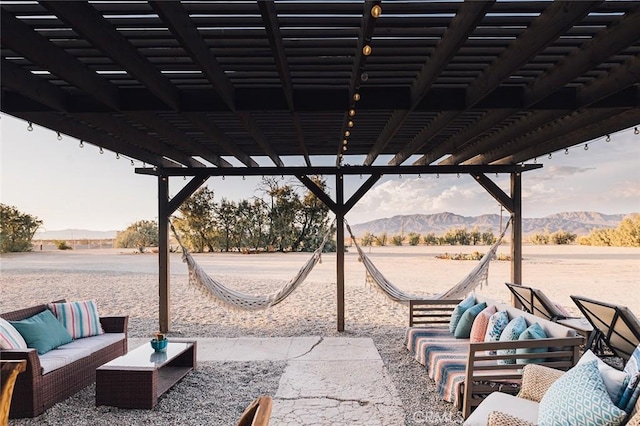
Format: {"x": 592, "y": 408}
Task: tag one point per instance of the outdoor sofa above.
{"x": 465, "y": 372}
{"x": 63, "y": 371}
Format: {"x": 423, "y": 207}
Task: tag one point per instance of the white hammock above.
{"x": 199, "y": 279}
{"x": 477, "y": 277}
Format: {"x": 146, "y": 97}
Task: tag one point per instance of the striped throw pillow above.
{"x": 10, "y": 338}
{"x": 81, "y": 319}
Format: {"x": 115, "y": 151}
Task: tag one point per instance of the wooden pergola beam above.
{"x": 35, "y": 88}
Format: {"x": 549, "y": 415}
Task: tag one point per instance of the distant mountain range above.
{"x": 580, "y": 223}
{"x": 75, "y": 234}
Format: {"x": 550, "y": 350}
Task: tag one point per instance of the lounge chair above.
{"x": 535, "y": 302}
{"x": 616, "y": 325}
{"x": 257, "y": 413}
{"x": 9, "y": 370}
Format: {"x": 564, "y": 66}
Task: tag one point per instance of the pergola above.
{"x": 214, "y": 88}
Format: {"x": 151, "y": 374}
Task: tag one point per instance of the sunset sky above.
{"x": 71, "y": 187}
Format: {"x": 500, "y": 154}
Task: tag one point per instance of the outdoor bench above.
{"x": 465, "y": 372}
{"x": 61, "y": 372}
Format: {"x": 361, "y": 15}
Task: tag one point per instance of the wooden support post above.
{"x": 163, "y": 253}
{"x": 340, "y": 250}
{"x": 516, "y": 233}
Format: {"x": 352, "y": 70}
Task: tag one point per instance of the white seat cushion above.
{"x": 509, "y": 404}
{"x": 77, "y": 349}
{"x": 94, "y": 343}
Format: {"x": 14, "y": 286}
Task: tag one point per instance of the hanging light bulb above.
{"x": 347, "y": 133}
{"x": 636, "y": 131}
{"x": 117, "y": 156}
{"x": 30, "y": 127}
{"x": 376, "y": 11}
{"x": 344, "y": 147}
{"x": 352, "y": 112}
{"x": 366, "y": 50}
{"x": 586, "y": 147}
{"x": 566, "y": 151}
{"x": 549, "y": 156}
{"x": 535, "y": 160}
{"x": 608, "y": 138}
{"x": 344, "y": 141}
{"x": 350, "y": 124}
{"x": 419, "y": 176}
{"x": 132, "y": 163}
{"x": 364, "y": 76}
{"x": 356, "y": 98}
{"x": 81, "y": 144}
{"x": 59, "y": 136}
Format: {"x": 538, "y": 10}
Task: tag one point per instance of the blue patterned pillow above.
{"x": 460, "y": 309}
{"x": 511, "y": 332}
{"x": 534, "y": 331}
{"x": 632, "y": 392}
{"x": 579, "y": 398}
{"x": 497, "y": 323}
{"x": 463, "y": 329}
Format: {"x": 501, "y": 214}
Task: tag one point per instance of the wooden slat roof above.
{"x": 249, "y": 83}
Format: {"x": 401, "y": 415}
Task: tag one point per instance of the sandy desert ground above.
{"x": 126, "y": 283}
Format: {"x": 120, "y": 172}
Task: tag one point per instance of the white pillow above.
{"x": 614, "y": 380}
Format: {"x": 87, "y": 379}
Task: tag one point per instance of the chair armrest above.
{"x": 115, "y": 324}
{"x": 536, "y": 380}
{"x": 496, "y": 418}
{"x": 33, "y": 370}
{"x": 430, "y": 312}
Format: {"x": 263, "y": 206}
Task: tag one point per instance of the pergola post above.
{"x": 163, "y": 253}
{"x": 516, "y": 232}
{"x": 340, "y": 250}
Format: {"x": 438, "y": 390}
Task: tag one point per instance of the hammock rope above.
{"x": 199, "y": 279}
{"x": 477, "y": 277}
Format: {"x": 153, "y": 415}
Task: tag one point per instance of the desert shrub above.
{"x": 143, "y": 233}
{"x": 16, "y": 229}
{"x": 414, "y": 239}
{"x": 430, "y": 239}
{"x": 563, "y": 237}
{"x": 627, "y": 234}
{"x": 62, "y": 245}
{"x": 381, "y": 239}
{"x": 397, "y": 240}
{"x": 539, "y": 239}
{"x": 367, "y": 239}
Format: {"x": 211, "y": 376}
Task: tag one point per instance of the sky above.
{"x": 69, "y": 187}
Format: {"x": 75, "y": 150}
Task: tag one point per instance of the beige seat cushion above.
{"x": 505, "y": 403}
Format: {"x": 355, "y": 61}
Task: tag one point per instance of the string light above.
{"x": 364, "y": 76}
{"x": 59, "y": 136}
{"x": 30, "y": 127}
{"x": 132, "y": 163}
{"x": 399, "y": 176}
{"x": 350, "y": 124}
{"x": 566, "y": 151}
{"x": 586, "y": 147}
{"x": 347, "y": 133}
{"x": 549, "y": 156}
{"x": 636, "y": 131}
{"x": 184, "y": 178}
{"x": 222, "y": 177}
{"x": 344, "y": 147}
{"x": 356, "y": 98}
{"x": 81, "y": 144}
{"x": 101, "y": 150}
{"x": 419, "y": 176}
{"x": 535, "y": 160}
{"x": 366, "y": 50}
{"x": 376, "y": 11}
{"x": 144, "y": 165}
{"x": 458, "y": 175}
{"x": 608, "y": 138}
{"x": 437, "y": 175}
{"x": 352, "y": 113}
{"x": 117, "y": 156}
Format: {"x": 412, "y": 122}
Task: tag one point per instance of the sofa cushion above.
{"x": 463, "y": 329}
{"x": 632, "y": 392}
{"x": 81, "y": 319}
{"x": 42, "y": 332}
{"x": 614, "y": 380}
{"x": 579, "y": 397}
{"x": 511, "y": 332}
{"x": 497, "y": 323}
{"x": 10, "y": 338}
{"x": 534, "y": 331}
{"x": 505, "y": 403}
{"x": 460, "y": 309}
{"x": 94, "y": 343}
{"x": 58, "y": 358}
{"x": 479, "y": 327}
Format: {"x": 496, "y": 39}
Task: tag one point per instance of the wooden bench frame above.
{"x": 483, "y": 375}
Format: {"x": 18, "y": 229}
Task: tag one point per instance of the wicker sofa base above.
{"x": 34, "y": 392}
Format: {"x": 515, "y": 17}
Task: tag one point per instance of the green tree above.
{"x": 563, "y": 237}
{"x": 488, "y": 237}
{"x": 414, "y": 239}
{"x": 226, "y": 215}
{"x": 196, "y": 222}
{"x": 539, "y": 239}
{"x": 430, "y": 239}
{"x": 397, "y": 240}
{"x": 16, "y": 229}
{"x": 627, "y": 234}
{"x": 143, "y": 233}
{"x": 475, "y": 236}
{"x": 381, "y": 239}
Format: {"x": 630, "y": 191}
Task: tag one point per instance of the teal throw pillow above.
{"x": 614, "y": 380}
{"x": 463, "y": 329}
{"x": 534, "y": 331}
{"x": 631, "y": 392}
{"x": 579, "y": 398}
{"x": 497, "y": 323}
{"x": 511, "y": 332}
{"x": 42, "y": 332}
{"x": 460, "y": 309}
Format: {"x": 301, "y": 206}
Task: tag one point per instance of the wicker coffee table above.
{"x": 139, "y": 378}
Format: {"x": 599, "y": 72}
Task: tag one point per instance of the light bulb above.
{"x": 347, "y": 133}
{"x": 350, "y": 124}
{"x": 366, "y": 50}
{"x": 364, "y": 76}
{"x": 376, "y": 11}
{"x": 352, "y": 112}
{"x": 81, "y": 145}
{"x": 356, "y": 97}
